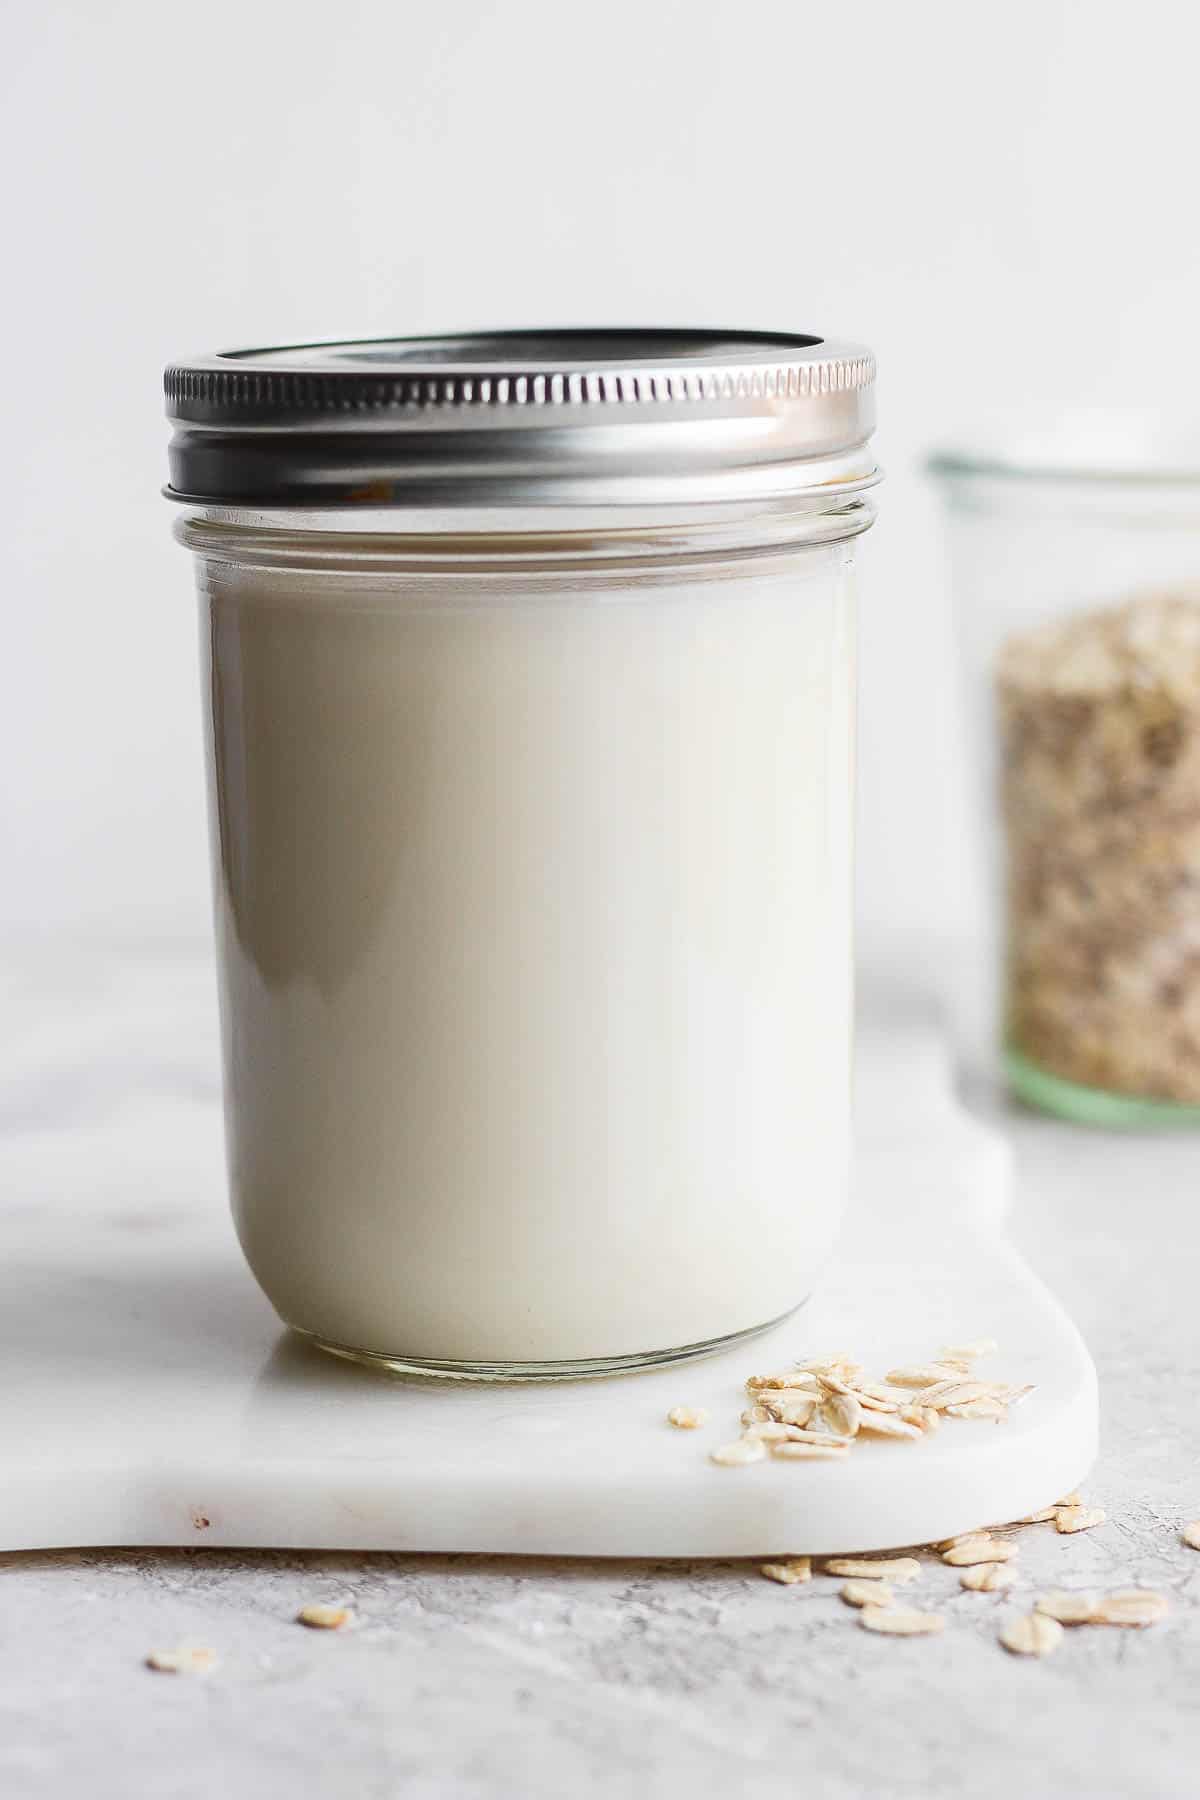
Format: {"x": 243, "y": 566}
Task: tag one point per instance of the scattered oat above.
{"x": 1191, "y": 1535}
{"x": 922, "y": 1375}
{"x": 1045, "y": 1517}
{"x": 324, "y": 1618}
{"x": 1079, "y": 1518}
{"x": 770, "y": 1431}
{"x": 834, "y": 1384}
{"x": 742, "y": 1450}
{"x": 978, "y": 1549}
{"x": 812, "y": 1434}
{"x": 1073, "y": 1499}
{"x": 954, "y": 1393}
{"x": 790, "y": 1408}
{"x": 811, "y": 1451}
{"x": 1032, "y": 1635}
{"x": 880, "y": 1399}
{"x": 687, "y": 1418}
{"x": 826, "y": 1405}
{"x": 866, "y": 1593}
{"x": 881, "y": 1424}
{"x": 793, "y": 1378}
{"x": 874, "y": 1568}
{"x": 842, "y": 1413}
{"x": 188, "y": 1659}
{"x": 1130, "y": 1606}
{"x": 986, "y": 1578}
{"x": 899, "y": 1621}
{"x": 795, "y": 1569}
{"x": 1068, "y": 1609}
{"x": 987, "y": 1408}
{"x": 1127, "y": 1606}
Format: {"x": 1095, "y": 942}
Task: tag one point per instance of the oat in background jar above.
{"x": 1099, "y": 723}
{"x": 1077, "y": 595}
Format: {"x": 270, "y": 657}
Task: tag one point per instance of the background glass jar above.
{"x": 531, "y": 805}
{"x": 1077, "y": 596}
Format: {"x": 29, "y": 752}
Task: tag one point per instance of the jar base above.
{"x": 579, "y": 1369}
{"x": 1081, "y": 1105}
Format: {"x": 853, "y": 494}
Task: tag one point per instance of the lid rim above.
{"x": 408, "y": 415}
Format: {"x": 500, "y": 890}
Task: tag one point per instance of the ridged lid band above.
{"x": 523, "y": 419}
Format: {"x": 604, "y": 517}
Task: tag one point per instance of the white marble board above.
{"x": 150, "y": 1396}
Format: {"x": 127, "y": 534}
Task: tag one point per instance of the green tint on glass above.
{"x": 1093, "y": 1106}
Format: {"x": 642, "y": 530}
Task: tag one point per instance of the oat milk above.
{"x": 534, "y": 919}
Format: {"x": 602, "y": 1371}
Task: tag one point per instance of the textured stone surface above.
{"x": 482, "y": 1678}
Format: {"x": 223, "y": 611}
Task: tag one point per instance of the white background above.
{"x": 1001, "y": 200}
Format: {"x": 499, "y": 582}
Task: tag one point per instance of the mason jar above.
{"x": 1076, "y": 574}
{"x": 528, "y": 677}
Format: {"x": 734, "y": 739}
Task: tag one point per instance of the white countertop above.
{"x": 487, "y": 1678}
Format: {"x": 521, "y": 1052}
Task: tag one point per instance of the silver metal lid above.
{"x": 524, "y": 418}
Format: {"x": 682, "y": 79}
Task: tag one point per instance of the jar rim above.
{"x": 1101, "y": 447}
{"x": 366, "y": 542}
{"x": 953, "y": 465}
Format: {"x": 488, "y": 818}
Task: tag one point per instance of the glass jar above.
{"x": 1077, "y": 590}
{"x": 529, "y": 675}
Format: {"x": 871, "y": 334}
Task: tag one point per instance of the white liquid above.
{"x": 534, "y": 922}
